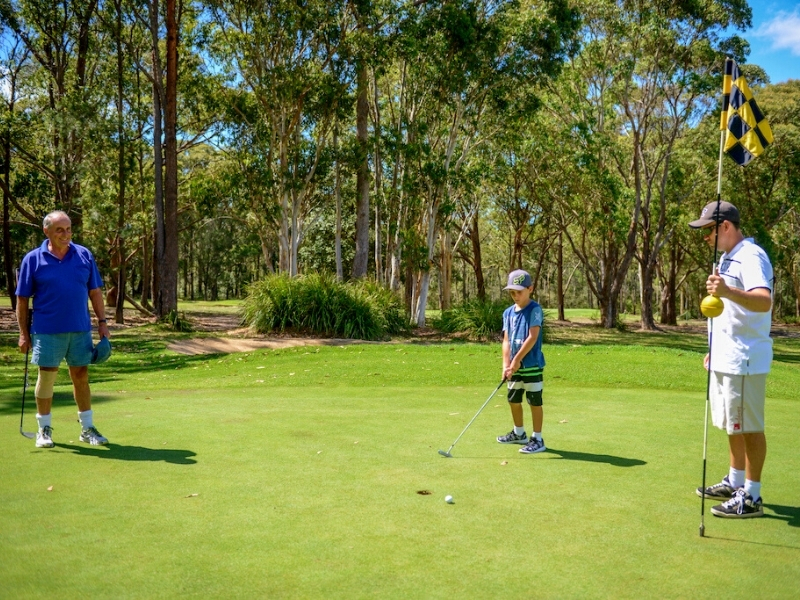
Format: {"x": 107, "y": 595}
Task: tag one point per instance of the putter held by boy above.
{"x": 523, "y": 361}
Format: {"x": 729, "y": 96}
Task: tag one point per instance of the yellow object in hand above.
{"x": 711, "y": 307}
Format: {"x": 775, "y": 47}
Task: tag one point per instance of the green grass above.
{"x": 294, "y": 474}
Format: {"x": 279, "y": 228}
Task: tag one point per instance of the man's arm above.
{"x": 23, "y": 315}
{"x": 756, "y": 300}
{"x": 99, "y": 307}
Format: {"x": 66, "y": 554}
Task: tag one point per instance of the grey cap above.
{"x": 710, "y": 216}
{"x": 518, "y": 280}
{"x": 101, "y": 351}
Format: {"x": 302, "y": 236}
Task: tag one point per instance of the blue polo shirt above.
{"x": 59, "y": 288}
{"x": 517, "y": 324}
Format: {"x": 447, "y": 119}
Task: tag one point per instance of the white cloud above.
{"x": 783, "y": 30}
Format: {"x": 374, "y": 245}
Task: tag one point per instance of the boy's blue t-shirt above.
{"x": 59, "y": 288}
{"x": 517, "y": 324}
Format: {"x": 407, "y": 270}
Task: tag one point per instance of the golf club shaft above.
{"x": 25, "y": 383}
{"x": 705, "y": 462}
{"x": 24, "y": 390}
{"x": 710, "y": 339}
{"x": 476, "y": 415}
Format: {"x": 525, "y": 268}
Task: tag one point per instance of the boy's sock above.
{"x": 753, "y": 488}
{"x": 736, "y": 477}
{"x": 85, "y": 418}
{"x": 44, "y": 420}
{"x": 537, "y": 435}
{"x": 519, "y": 430}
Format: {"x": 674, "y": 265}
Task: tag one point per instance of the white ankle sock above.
{"x": 537, "y": 435}
{"x": 736, "y": 477}
{"x": 44, "y": 420}
{"x": 519, "y": 430}
{"x": 753, "y": 488}
{"x": 85, "y": 418}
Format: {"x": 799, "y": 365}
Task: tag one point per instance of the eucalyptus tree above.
{"x": 646, "y": 72}
{"x": 458, "y": 63}
{"x": 59, "y": 36}
{"x": 282, "y": 97}
{"x": 13, "y": 62}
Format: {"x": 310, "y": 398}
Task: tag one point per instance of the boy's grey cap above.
{"x": 709, "y": 214}
{"x": 518, "y": 280}
{"x": 101, "y": 351}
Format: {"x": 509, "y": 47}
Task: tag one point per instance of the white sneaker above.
{"x": 90, "y": 435}
{"x": 44, "y": 437}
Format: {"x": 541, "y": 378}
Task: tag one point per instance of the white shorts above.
{"x": 737, "y": 402}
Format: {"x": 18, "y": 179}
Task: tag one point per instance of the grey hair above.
{"x": 50, "y": 217}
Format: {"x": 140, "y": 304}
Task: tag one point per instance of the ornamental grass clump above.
{"x": 481, "y": 320}
{"x": 320, "y": 305}
{"x": 477, "y": 319}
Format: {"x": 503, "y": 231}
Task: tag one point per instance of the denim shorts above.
{"x": 49, "y": 349}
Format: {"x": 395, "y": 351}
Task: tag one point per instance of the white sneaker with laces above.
{"x": 44, "y": 437}
{"x": 90, "y": 435}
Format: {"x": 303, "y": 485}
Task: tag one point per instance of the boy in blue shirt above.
{"x": 523, "y": 361}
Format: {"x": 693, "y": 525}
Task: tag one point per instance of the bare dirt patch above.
{"x": 220, "y": 345}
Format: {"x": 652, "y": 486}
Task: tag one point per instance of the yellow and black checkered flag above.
{"x": 748, "y": 132}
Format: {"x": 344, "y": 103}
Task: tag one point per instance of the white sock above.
{"x": 753, "y": 488}
{"x": 85, "y": 418}
{"x": 44, "y": 420}
{"x": 736, "y": 477}
{"x": 519, "y": 430}
{"x": 537, "y": 435}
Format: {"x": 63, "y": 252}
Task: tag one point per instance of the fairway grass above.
{"x": 295, "y": 474}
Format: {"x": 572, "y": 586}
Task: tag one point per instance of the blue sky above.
{"x": 775, "y": 38}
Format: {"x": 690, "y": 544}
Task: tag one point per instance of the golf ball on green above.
{"x": 449, "y": 499}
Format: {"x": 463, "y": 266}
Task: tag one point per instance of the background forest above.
{"x": 428, "y": 146}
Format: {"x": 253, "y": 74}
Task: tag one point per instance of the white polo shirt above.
{"x": 740, "y": 342}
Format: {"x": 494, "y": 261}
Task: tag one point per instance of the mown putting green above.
{"x": 296, "y": 474}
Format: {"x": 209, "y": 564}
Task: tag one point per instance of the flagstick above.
{"x": 710, "y": 337}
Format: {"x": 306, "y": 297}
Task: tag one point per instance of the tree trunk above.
{"x": 560, "y": 274}
{"x": 477, "y": 260}
{"x": 7, "y": 259}
{"x": 338, "y": 196}
{"x": 119, "y": 315}
{"x": 158, "y": 156}
{"x": 669, "y": 315}
{"x": 647, "y": 282}
{"x": 378, "y": 168}
{"x": 167, "y": 300}
{"x": 446, "y": 270}
{"x": 361, "y": 258}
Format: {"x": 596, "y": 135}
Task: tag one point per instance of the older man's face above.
{"x": 59, "y": 233}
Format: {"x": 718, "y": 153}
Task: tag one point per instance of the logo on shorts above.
{"x": 736, "y": 426}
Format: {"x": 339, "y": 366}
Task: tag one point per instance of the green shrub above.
{"x": 320, "y": 305}
{"x": 478, "y": 320}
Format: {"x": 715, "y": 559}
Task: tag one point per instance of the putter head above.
{"x": 445, "y": 454}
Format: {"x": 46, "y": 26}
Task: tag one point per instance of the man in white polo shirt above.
{"x": 740, "y": 357}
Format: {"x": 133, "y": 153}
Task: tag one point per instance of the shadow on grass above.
{"x": 133, "y": 453}
{"x": 790, "y": 514}
{"x": 616, "y": 461}
{"x": 12, "y": 404}
{"x": 726, "y": 539}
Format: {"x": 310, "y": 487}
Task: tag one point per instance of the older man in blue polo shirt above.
{"x": 61, "y": 277}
